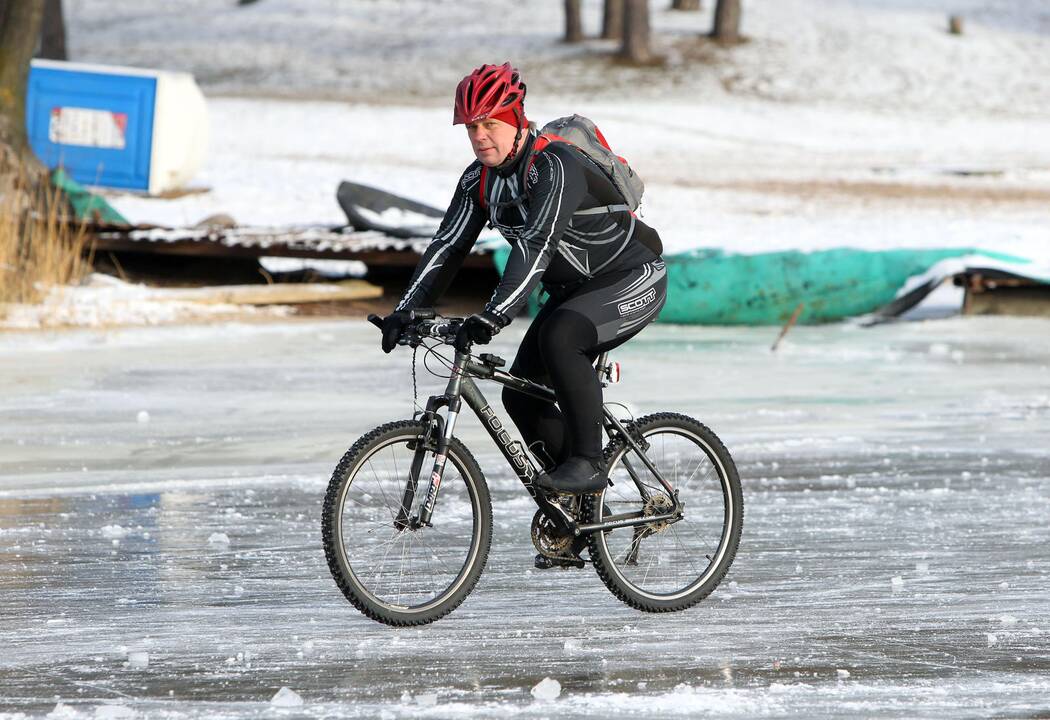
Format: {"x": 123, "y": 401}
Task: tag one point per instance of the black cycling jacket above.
{"x": 548, "y": 243}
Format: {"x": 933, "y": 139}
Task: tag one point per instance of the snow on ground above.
{"x": 894, "y": 560}
{"x": 877, "y": 54}
{"x": 757, "y": 178}
{"x": 104, "y": 301}
{"x": 841, "y": 122}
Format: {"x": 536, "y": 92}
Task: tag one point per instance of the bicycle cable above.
{"x": 625, "y": 409}
{"x": 416, "y": 410}
{"x": 444, "y": 360}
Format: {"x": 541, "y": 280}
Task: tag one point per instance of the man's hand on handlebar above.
{"x": 410, "y": 327}
{"x": 478, "y": 328}
{"x": 392, "y": 326}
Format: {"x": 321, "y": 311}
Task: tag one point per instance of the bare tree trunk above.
{"x": 612, "y": 20}
{"x": 727, "y": 21}
{"x": 685, "y": 4}
{"x": 20, "y": 22}
{"x": 636, "y": 32}
{"x": 53, "y": 37}
{"x": 573, "y": 22}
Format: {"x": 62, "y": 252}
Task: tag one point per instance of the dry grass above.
{"x": 40, "y": 245}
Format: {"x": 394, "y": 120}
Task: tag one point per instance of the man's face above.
{"x": 491, "y": 140}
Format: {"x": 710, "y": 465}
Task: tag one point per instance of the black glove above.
{"x": 393, "y": 325}
{"x": 477, "y": 328}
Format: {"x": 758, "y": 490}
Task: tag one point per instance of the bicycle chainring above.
{"x": 548, "y": 540}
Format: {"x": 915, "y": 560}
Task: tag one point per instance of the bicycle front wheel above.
{"x": 670, "y": 564}
{"x": 391, "y": 572}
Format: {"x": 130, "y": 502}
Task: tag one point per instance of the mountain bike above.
{"x": 407, "y": 519}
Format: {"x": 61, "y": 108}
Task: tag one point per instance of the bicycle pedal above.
{"x": 544, "y": 562}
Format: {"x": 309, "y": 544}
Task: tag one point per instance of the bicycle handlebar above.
{"x": 424, "y": 324}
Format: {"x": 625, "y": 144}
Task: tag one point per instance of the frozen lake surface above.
{"x": 160, "y": 555}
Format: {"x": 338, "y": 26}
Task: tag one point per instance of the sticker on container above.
{"x": 85, "y": 126}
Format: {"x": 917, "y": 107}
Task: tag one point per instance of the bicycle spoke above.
{"x": 389, "y": 507}
{"x": 405, "y": 569}
{"x": 665, "y": 559}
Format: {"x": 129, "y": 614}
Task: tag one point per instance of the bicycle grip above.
{"x": 376, "y": 320}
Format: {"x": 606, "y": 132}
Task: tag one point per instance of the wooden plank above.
{"x": 1031, "y": 300}
{"x": 278, "y": 294}
{"x": 209, "y": 248}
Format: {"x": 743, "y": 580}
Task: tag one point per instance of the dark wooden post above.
{"x": 727, "y": 21}
{"x": 685, "y": 4}
{"x": 636, "y": 32}
{"x": 573, "y": 22}
{"x": 53, "y": 36}
{"x": 612, "y": 20}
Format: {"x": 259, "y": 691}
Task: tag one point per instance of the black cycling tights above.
{"x": 559, "y": 350}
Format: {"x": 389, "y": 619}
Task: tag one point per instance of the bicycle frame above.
{"x": 439, "y": 432}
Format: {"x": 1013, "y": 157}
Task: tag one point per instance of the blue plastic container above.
{"x": 106, "y": 126}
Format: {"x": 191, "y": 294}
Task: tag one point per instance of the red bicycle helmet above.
{"x": 489, "y": 90}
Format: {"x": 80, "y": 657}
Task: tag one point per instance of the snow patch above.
{"x": 114, "y": 532}
{"x": 63, "y": 712}
{"x": 219, "y": 539}
{"x": 104, "y": 301}
{"x": 546, "y": 689}
{"x": 286, "y": 697}
{"x": 138, "y": 660}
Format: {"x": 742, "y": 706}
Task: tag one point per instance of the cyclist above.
{"x": 602, "y": 271}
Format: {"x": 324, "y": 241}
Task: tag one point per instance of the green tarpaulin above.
{"x": 712, "y": 287}
{"x": 86, "y": 205}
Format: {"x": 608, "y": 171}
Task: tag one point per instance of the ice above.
{"x": 114, "y": 712}
{"x": 63, "y": 712}
{"x": 113, "y": 532}
{"x": 429, "y": 699}
{"x": 219, "y": 539}
{"x": 280, "y": 409}
{"x": 842, "y": 674}
{"x": 1008, "y": 619}
{"x": 142, "y": 417}
{"x": 286, "y": 698}
{"x": 138, "y": 660}
{"x": 897, "y": 582}
{"x": 546, "y": 689}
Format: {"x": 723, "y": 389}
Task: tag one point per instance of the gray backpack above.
{"x": 585, "y": 136}
{"x": 588, "y": 139}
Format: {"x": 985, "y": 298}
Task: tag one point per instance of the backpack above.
{"x": 585, "y": 136}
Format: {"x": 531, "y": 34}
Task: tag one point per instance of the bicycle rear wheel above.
{"x": 392, "y": 573}
{"x": 673, "y": 564}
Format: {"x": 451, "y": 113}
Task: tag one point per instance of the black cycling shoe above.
{"x": 576, "y": 476}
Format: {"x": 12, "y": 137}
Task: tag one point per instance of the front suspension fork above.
{"x": 426, "y": 509}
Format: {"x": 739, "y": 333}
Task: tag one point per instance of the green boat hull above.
{"x": 712, "y": 287}
{"x": 708, "y": 287}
